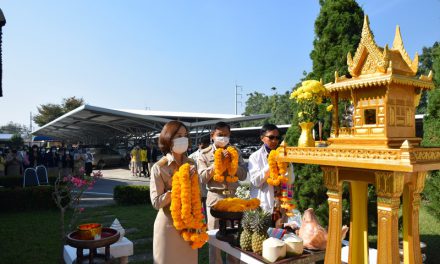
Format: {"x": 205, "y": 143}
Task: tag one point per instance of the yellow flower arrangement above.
{"x": 329, "y": 108}
{"x": 308, "y": 97}
{"x": 236, "y": 204}
{"x": 277, "y": 169}
{"x": 186, "y": 207}
{"x": 222, "y": 165}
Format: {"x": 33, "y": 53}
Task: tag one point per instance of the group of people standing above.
{"x": 173, "y": 142}
{"x": 142, "y": 159}
{"x": 66, "y": 160}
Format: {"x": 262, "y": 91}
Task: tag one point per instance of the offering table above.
{"x": 248, "y": 258}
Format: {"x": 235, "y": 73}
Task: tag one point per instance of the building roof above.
{"x": 92, "y": 123}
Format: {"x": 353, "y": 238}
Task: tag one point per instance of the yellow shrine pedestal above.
{"x": 395, "y": 173}
{"x": 380, "y": 148}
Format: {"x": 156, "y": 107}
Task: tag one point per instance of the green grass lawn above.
{"x": 33, "y": 237}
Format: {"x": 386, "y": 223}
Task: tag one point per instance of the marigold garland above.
{"x": 236, "y": 204}
{"x": 186, "y": 207}
{"x": 222, "y": 165}
{"x": 277, "y": 169}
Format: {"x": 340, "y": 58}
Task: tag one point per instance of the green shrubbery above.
{"x": 29, "y": 198}
{"x": 17, "y": 181}
{"x": 131, "y": 194}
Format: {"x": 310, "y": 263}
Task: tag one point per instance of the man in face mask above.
{"x": 218, "y": 190}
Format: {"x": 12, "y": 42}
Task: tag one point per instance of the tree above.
{"x": 278, "y": 104}
{"x": 431, "y": 134}
{"x": 425, "y": 65}
{"x": 16, "y": 141}
{"x": 14, "y": 128}
{"x": 338, "y": 30}
{"x": 71, "y": 103}
{"x": 431, "y": 123}
{"x": 49, "y": 112}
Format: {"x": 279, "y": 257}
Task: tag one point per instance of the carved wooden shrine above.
{"x": 381, "y": 149}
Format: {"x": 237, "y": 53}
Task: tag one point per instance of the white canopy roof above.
{"x": 95, "y": 124}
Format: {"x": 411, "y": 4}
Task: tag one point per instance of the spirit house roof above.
{"x": 372, "y": 65}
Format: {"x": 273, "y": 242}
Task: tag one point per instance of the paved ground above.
{"x": 102, "y": 192}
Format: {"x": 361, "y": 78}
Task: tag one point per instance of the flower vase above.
{"x": 306, "y": 137}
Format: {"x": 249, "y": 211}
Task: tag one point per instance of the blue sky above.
{"x": 173, "y": 55}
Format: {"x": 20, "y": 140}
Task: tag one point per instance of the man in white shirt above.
{"x": 258, "y": 167}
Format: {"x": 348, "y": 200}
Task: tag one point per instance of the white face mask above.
{"x": 180, "y": 145}
{"x": 221, "y": 141}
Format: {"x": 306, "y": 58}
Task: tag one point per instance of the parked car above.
{"x": 106, "y": 157}
{"x": 247, "y": 151}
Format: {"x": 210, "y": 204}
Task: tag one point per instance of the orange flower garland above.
{"x": 277, "y": 169}
{"x": 233, "y": 165}
{"x": 186, "y": 207}
{"x": 219, "y": 168}
{"x": 221, "y": 165}
{"x": 236, "y": 204}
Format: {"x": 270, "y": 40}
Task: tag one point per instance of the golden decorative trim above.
{"x": 379, "y": 80}
{"x": 367, "y": 47}
{"x": 426, "y": 155}
{"x": 398, "y": 45}
{"x": 387, "y": 203}
{"x": 426, "y": 78}
{"x": 388, "y": 231}
{"x": 389, "y": 184}
{"x": 331, "y": 181}
{"x": 420, "y": 181}
{"x": 407, "y": 154}
{"x": 370, "y": 58}
{"x": 346, "y": 153}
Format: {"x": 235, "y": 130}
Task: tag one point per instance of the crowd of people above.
{"x": 173, "y": 142}
{"x": 67, "y": 160}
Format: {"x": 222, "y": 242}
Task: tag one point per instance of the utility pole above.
{"x": 236, "y": 96}
{"x": 2, "y": 23}
{"x": 30, "y": 122}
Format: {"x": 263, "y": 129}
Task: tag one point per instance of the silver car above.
{"x": 106, "y": 157}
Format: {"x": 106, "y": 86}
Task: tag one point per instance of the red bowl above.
{"x": 89, "y": 231}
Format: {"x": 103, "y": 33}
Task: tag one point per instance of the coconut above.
{"x": 294, "y": 244}
{"x": 273, "y": 249}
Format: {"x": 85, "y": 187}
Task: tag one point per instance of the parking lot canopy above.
{"x": 94, "y": 124}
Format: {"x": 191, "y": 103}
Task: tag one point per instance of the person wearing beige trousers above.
{"x": 168, "y": 244}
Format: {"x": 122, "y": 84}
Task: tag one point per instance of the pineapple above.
{"x": 246, "y": 234}
{"x": 261, "y": 222}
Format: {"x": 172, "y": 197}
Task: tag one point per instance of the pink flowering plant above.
{"x": 68, "y": 193}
